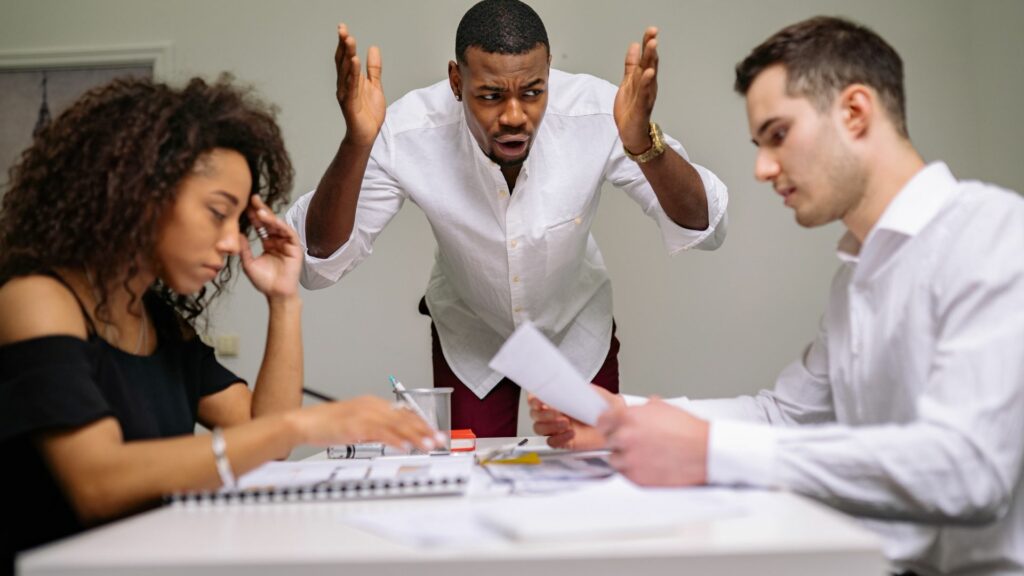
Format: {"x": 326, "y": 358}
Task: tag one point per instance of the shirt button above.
{"x": 515, "y": 279}
{"x": 578, "y": 221}
{"x": 517, "y": 309}
{"x": 514, "y": 243}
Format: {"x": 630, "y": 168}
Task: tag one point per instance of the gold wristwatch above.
{"x": 657, "y": 147}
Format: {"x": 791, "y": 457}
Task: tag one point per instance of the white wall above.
{"x": 701, "y": 324}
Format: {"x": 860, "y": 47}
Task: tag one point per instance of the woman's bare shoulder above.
{"x": 35, "y": 306}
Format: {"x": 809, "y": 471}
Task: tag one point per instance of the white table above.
{"x": 781, "y": 534}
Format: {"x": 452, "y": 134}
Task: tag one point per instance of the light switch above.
{"x": 227, "y": 345}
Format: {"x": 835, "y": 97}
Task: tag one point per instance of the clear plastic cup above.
{"x": 436, "y": 404}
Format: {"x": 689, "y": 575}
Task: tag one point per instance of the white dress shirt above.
{"x": 504, "y": 258}
{"x": 908, "y": 408}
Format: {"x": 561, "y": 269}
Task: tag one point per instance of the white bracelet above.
{"x": 227, "y": 478}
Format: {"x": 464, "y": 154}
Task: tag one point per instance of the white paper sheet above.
{"x": 309, "y": 472}
{"x": 533, "y": 362}
{"x": 293, "y": 474}
{"x": 606, "y": 509}
{"x": 614, "y": 508}
{"x": 557, "y": 472}
{"x": 454, "y": 526}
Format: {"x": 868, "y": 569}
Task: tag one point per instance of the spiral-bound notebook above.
{"x": 316, "y": 480}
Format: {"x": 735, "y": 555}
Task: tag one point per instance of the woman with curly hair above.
{"x": 114, "y": 224}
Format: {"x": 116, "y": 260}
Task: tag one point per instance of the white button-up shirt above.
{"x": 914, "y": 387}
{"x": 507, "y": 256}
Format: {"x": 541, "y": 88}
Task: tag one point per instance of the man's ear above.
{"x": 858, "y": 105}
{"x": 455, "y": 79}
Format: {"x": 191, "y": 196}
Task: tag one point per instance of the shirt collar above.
{"x": 911, "y": 210}
{"x": 919, "y": 201}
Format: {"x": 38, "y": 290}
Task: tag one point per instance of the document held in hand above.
{"x": 534, "y": 363}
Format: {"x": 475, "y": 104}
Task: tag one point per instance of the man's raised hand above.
{"x": 361, "y": 97}
{"x": 634, "y": 101}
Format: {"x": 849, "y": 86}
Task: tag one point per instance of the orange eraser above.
{"x": 463, "y": 440}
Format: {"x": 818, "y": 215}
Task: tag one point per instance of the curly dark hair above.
{"x": 89, "y": 192}
{"x": 500, "y": 27}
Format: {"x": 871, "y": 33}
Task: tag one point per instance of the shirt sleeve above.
{"x": 626, "y": 174}
{"x": 802, "y": 395}
{"x": 380, "y": 199}
{"x": 959, "y": 461}
{"x": 47, "y": 383}
{"x": 213, "y": 376}
{"x": 742, "y": 442}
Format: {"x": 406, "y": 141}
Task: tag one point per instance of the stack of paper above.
{"x": 613, "y": 508}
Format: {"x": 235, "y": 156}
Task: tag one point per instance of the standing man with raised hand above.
{"x": 907, "y": 410}
{"x": 506, "y": 159}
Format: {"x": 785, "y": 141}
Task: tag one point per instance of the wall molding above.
{"x": 157, "y": 55}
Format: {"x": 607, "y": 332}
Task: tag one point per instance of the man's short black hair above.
{"x": 824, "y": 55}
{"x": 500, "y": 27}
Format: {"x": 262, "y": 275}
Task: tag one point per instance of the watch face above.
{"x": 657, "y": 146}
{"x": 656, "y": 135}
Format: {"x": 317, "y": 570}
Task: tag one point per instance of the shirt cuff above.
{"x": 680, "y": 402}
{"x": 740, "y": 453}
{"x": 634, "y": 400}
{"x": 678, "y": 238}
{"x": 316, "y": 272}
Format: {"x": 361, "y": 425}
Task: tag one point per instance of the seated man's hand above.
{"x": 657, "y": 444}
{"x": 565, "y": 432}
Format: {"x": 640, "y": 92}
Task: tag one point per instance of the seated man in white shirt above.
{"x": 510, "y": 199}
{"x": 907, "y": 410}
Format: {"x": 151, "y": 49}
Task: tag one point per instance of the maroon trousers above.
{"x": 497, "y": 414}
